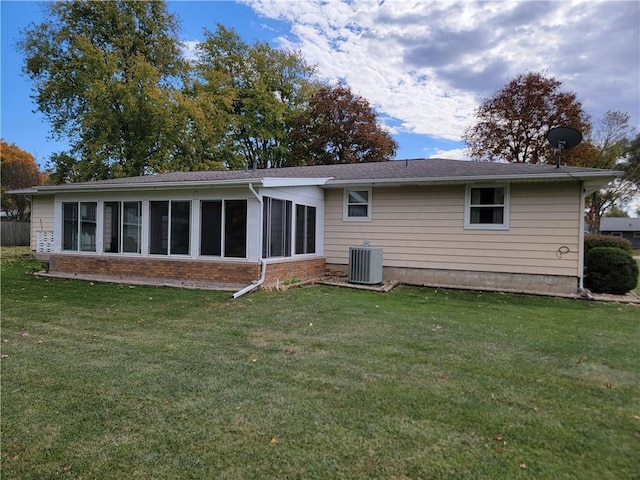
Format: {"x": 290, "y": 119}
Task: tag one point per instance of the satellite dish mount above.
{"x": 563, "y": 138}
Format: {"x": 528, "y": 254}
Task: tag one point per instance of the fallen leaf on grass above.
{"x": 523, "y": 466}
{"x": 4, "y": 355}
{"x": 24, "y": 334}
{"x": 273, "y": 441}
{"x": 583, "y": 358}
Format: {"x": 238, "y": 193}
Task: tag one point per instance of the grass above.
{"x": 108, "y": 381}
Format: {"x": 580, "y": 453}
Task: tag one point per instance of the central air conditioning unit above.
{"x": 365, "y": 265}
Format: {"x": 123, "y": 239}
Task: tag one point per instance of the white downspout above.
{"x": 263, "y": 263}
{"x": 581, "y": 289}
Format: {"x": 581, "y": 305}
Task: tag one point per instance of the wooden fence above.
{"x": 15, "y": 234}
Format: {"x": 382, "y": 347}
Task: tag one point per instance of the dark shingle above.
{"x": 396, "y": 169}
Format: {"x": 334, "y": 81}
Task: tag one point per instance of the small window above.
{"x": 486, "y": 207}
{"x": 636, "y": 234}
{"x": 357, "y": 205}
{"x": 616, "y": 234}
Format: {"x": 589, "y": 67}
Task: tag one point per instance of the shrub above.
{"x": 594, "y": 241}
{"x": 610, "y": 270}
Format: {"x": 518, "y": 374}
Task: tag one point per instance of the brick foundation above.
{"x": 192, "y": 270}
{"x": 187, "y": 269}
{"x": 294, "y": 270}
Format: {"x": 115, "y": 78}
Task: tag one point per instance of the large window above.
{"x": 487, "y": 207}
{"x": 305, "y": 229}
{"x": 357, "y": 204}
{"x": 276, "y": 238}
{"x": 223, "y": 228}
{"x": 169, "y": 227}
{"x": 79, "y": 226}
{"x": 122, "y": 227}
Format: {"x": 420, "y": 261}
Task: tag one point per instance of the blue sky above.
{"x": 425, "y": 66}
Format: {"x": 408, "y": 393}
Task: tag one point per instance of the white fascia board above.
{"x": 271, "y": 182}
{"x": 22, "y": 191}
{"x": 110, "y": 187}
{"x": 600, "y": 177}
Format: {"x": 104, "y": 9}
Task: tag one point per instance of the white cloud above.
{"x": 188, "y": 49}
{"x": 430, "y": 63}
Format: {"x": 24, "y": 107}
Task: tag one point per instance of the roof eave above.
{"x": 603, "y": 176}
{"x": 111, "y": 187}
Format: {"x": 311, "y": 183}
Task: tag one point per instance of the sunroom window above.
{"x": 122, "y": 227}
{"x": 487, "y": 207}
{"x": 305, "y": 229}
{"x": 169, "y": 227}
{"x": 276, "y": 238}
{"x": 79, "y": 226}
{"x": 223, "y": 228}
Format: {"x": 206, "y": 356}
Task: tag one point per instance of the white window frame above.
{"x": 345, "y": 205}
{"x": 487, "y": 226}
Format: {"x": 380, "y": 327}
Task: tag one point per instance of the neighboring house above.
{"x": 481, "y": 225}
{"x": 628, "y": 228}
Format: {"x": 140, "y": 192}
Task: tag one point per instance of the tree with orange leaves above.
{"x": 19, "y": 170}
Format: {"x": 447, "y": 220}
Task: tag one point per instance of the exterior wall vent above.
{"x": 365, "y": 265}
{"x": 44, "y": 242}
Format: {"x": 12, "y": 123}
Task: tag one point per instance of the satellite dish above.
{"x": 563, "y": 138}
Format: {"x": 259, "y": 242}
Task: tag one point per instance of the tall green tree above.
{"x": 106, "y": 76}
{"x": 261, "y": 89}
{"x": 513, "y": 124}
{"x": 340, "y": 127}
{"x": 631, "y": 165}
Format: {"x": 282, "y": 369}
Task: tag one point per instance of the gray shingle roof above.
{"x": 619, "y": 224}
{"x": 395, "y": 169}
{"x": 418, "y": 171}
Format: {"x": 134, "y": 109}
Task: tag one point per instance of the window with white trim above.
{"x": 122, "y": 231}
{"x": 487, "y": 207}
{"x": 305, "y": 229}
{"x": 357, "y": 204}
{"x": 223, "y": 231}
{"x": 276, "y": 228}
{"x": 286, "y": 225}
{"x": 169, "y": 227}
{"x": 79, "y": 226}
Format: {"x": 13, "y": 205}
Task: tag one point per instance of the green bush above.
{"x": 594, "y": 241}
{"x": 610, "y": 270}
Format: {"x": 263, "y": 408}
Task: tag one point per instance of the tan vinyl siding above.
{"x": 423, "y": 227}
{"x": 41, "y": 216}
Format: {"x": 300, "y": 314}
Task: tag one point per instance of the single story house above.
{"x": 628, "y": 228}
{"x": 437, "y": 222}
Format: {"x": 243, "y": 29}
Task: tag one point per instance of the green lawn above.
{"x": 114, "y": 382}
